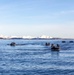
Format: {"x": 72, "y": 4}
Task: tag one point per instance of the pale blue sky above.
{"x": 37, "y": 17}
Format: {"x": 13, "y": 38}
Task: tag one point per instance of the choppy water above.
{"x": 34, "y": 58}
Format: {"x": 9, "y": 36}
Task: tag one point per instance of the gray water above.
{"x": 34, "y": 58}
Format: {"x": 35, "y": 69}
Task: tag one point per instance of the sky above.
{"x": 37, "y": 17}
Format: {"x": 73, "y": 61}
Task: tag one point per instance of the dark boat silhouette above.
{"x": 70, "y": 41}
{"x": 63, "y": 41}
{"x": 12, "y": 44}
{"x": 55, "y": 48}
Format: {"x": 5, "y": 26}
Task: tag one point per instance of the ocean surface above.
{"x": 32, "y": 57}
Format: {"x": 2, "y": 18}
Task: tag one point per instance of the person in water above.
{"x": 47, "y": 44}
{"x": 57, "y": 46}
{"x": 52, "y": 46}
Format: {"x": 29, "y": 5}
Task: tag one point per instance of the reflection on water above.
{"x": 55, "y": 54}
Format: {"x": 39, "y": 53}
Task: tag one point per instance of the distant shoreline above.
{"x": 39, "y": 38}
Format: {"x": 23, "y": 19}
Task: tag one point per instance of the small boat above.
{"x": 70, "y": 41}
{"x": 12, "y": 44}
{"x": 63, "y": 41}
{"x": 55, "y": 48}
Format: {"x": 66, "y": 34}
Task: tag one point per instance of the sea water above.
{"x": 34, "y": 58}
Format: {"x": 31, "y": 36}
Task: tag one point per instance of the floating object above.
{"x": 13, "y": 44}
{"x": 63, "y": 41}
{"x": 70, "y": 41}
{"x": 55, "y": 48}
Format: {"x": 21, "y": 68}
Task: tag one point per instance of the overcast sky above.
{"x": 37, "y": 17}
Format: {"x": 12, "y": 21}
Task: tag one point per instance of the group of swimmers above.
{"x": 53, "y": 47}
{"x": 56, "y": 47}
